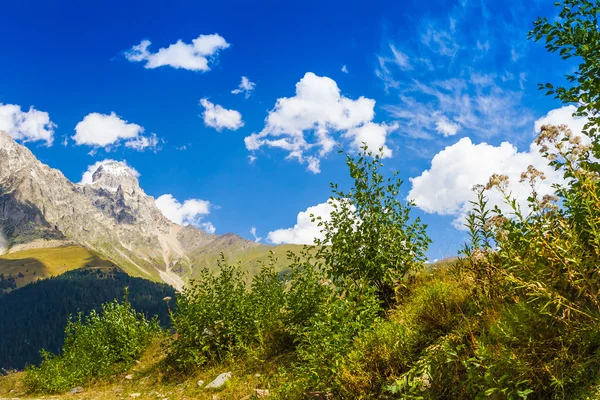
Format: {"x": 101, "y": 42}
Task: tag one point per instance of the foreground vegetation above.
{"x": 357, "y": 316}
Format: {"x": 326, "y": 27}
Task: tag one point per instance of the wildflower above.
{"x": 496, "y": 180}
{"x": 168, "y": 298}
{"x": 532, "y": 174}
{"x": 548, "y": 134}
{"x": 548, "y": 202}
{"x": 478, "y": 256}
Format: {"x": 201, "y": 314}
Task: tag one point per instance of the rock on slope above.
{"x": 112, "y": 216}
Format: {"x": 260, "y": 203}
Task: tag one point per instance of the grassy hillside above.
{"x": 251, "y": 259}
{"x": 31, "y": 265}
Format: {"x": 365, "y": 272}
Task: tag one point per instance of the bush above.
{"x": 96, "y": 346}
{"x": 322, "y": 344}
{"x": 370, "y": 235}
{"x": 219, "y": 317}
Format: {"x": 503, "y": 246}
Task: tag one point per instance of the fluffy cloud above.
{"x": 374, "y": 135}
{"x": 101, "y": 130}
{"x": 305, "y": 231}
{"x": 445, "y": 188}
{"x": 86, "y": 178}
{"x": 245, "y": 87}
{"x": 304, "y": 125}
{"x": 220, "y": 118}
{"x": 560, "y": 116}
{"x": 190, "y": 212}
{"x": 446, "y": 127}
{"x": 195, "y": 56}
{"x": 30, "y": 126}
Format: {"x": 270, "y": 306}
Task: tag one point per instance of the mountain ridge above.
{"x": 112, "y": 216}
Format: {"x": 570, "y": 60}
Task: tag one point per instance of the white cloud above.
{"x": 220, "y": 118}
{"x": 141, "y": 143}
{"x": 305, "y": 231}
{"x": 441, "y": 41}
{"x": 476, "y": 104}
{"x": 195, "y": 56}
{"x": 190, "y": 212}
{"x": 345, "y": 69}
{"x": 560, "y": 116}
{"x": 30, "y": 126}
{"x": 86, "y": 178}
{"x": 304, "y": 125}
{"x": 398, "y": 59}
{"x": 374, "y": 135}
{"x": 101, "y": 130}
{"x": 208, "y": 227}
{"x": 256, "y": 237}
{"x": 246, "y": 86}
{"x": 446, "y": 127}
{"x": 445, "y": 188}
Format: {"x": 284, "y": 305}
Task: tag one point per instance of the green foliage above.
{"x": 575, "y": 34}
{"x": 219, "y": 317}
{"x": 370, "y": 236}
{"x": 96, "y": 346}
{"x": 328, "y": 335}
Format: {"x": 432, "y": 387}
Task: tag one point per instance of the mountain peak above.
{"x": 114, "y": 174}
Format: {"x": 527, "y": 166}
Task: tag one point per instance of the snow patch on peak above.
{"x": 108, "y": 167}
{"x": 115, "y": 169}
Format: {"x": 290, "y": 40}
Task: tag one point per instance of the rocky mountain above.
{"x": 40, "y": 207}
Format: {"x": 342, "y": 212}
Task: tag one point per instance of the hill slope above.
{"x": 28, "y": 266}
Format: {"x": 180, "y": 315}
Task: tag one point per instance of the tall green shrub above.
{"x": 96, "y": 346}
{"x": 370, "y": 235}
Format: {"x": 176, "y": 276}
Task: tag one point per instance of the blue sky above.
{"x": 447, "y": 81}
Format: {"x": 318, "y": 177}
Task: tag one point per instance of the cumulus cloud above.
{"x": 215, "y": 116}
{"x": 445, "y": 188}
{"x": 245, "y": 87}
{"x": 86, "y": 178}
{"x": 191, "y": 212}
{"x": 305, "y": 231}
{"x": 304, "y": 125}
{"x": 26, "y": 126}
{"x": 101, "y": 130}
{"x": 194, "y": 56}
{"x": 560, "y": 116}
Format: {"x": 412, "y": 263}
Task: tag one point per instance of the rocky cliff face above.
{"x": 112, "y": 216}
